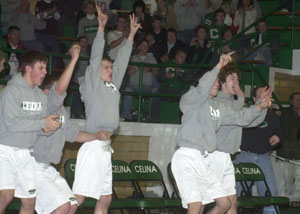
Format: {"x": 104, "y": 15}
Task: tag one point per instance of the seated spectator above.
{"x": 27, "y": 24}
{"x": 167, "y": 14}
{"x": 105, "y": 7}
{"x": 79, "y": 71}
{"x": 189, "y": 14}
{"x": 117, "y": 37}
{"x": 151, "y": 6}
{"x": 217, "y": 27}
{"x": 139, "y": 9}
{"x": 8, "y": 9}
{"x": 49, "y": 11}
{"x": 88, "y": 25}
{"x": 234, "y": 7}
{"x": 234, "y": 45}
{"x": 153, "y": 47}
{"x": 150, "y": 83}
{"x": 13, "y": 42}
{"x": 173, "y": 80}
{"x": 160, "y": 33}
{"x": 271, "y": 44}
{"x": 245, "y": 16}
{"x": 169, "y": 48}
{"x": 228, "y": 14}
{"x": 199, "y": 46}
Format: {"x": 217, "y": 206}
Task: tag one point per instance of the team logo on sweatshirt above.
{"x": 111, "y": 87}
{"x": 215, "y": 113}
{"x": 32, "y": 108}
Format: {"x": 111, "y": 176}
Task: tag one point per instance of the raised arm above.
{"x": 121, "y": 62}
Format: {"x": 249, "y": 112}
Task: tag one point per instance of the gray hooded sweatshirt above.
{"x": 22, "y": 112}
{"x": 229, "y": 138}
{"x": 48, "y": 149}
{"x": 101, "y": 98}
{"x": 202, "y": 116}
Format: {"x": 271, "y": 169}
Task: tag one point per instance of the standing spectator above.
{"x": 271, "y": 46}
{"x": 13, "y": 42}
{"x": 169, "y": 48}
{"x": 88, "y": 25}
{"x": 153, "y": 47}
{"x": 27, "y": 24}
{"x": 117, "y": 38}
{"x": 69, "y": 13}
{"x": 256, "y": 145}
{"x": 199, "y": 46}
{"x": 290, "y": 148}
{"x": 217, "y": 27}
{"x": 139, "y": 9}
{"x": 189, "y": 14}
{"x": 245, "y": 16}
{"x": 150, "y": 83}
{"x": 173, "y": 80}
{"x": 8, "y": 9}
{"x": 167, "y": 14}
{"x": 49, "y": 11}
{"x": 160, "y": 33}
{"x": 211, "y": 5}
{"x": 234, "y": 7}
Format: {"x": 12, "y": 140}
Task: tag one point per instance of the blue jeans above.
{"x": 266, "y": 52}
{"x": 128, "y": 100}
{"x": 264, "y": 162}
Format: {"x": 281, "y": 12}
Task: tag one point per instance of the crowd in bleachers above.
{"x": 200, "y": 30}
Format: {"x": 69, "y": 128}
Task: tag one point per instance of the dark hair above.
{"x": 182, "y": 51}
{"x": 13, "y": 28}
{"x": 149, "y": 33}
{"x": 292, "y": 95}
{"x": 49, "y": 81}
{"x": 227, "y": 70}
{"x": 31, "y": 58}
{"x": 139, "y": 3}
{"x": 217, "y": 11}
{"x": 87, "y": 2}
{"x": 122, "y": 17}
{"x": 81, "y": 37}
{"x": 227, "y": 29}
{"x": 240, "y": 3}
{"x": 172, "y": 30}
{"x": 107, "y": 58}
{"x": 200, "y": 27}
{"x": 156, "y": 17}
{"x": 143, "y": 40}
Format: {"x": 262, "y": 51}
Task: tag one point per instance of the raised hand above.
{"x": 102, "y": 19}
{"x": 224, "y": 60}
{"x": 266, "y": 92}
{"x": 134, "y": 27}
{"x": 266, "y": 103}
{"x": 75, "y": 51}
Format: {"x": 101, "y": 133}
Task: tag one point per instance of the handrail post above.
{"x": 50, "y": 64}
{"x": 293, "y": 23}
{"x": 140, "y": 92}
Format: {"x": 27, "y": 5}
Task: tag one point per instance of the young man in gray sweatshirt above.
{"x": 99, "y": 91}
{"x": 202, "y": 118}
{"x": 53, "y": 194}
{"x": 24, "y": 115}
{"x": 229, "y": 137}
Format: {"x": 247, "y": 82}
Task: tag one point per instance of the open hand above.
{"x": 134, "y": 26}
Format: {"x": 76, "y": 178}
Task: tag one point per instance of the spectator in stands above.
{"x": 27, "y": 24}
{"x": 271, "y": 44}
{"x": 79, "y": 71}
{"x": 49, "y": 11}
{"x": 8, "y": 9}
{"x": 160, "y": 33}
{"x": 2, "y": 61}
{"x": 287, "y": 6}
{"x": 189, "y": 14}
{"x": 88, "y": 25}
{"x": 199, "y": 46}
{"x": 256, "y": 145}
{"x": 169, "y": 48}
{"x": 234, "y": 7}
{"x": 167, "y": 14}
{"x": 151, "y": 6}
{"x": 153, "y": 47}
{"x": 13, "y": 42}
{"x": 289, "y": 150}
{"x": 228, "y": 46}
{"x": 211, "y": 5}
{"x": 139, "y": 9}
{"x": 117, "y": 37}
{"x": 150, "y": 83}
{"x": 173, "y": 80}
{"x": 69, "y": 13}
{"x": 217, "y": 27}
{"x": 245, "y": 15}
